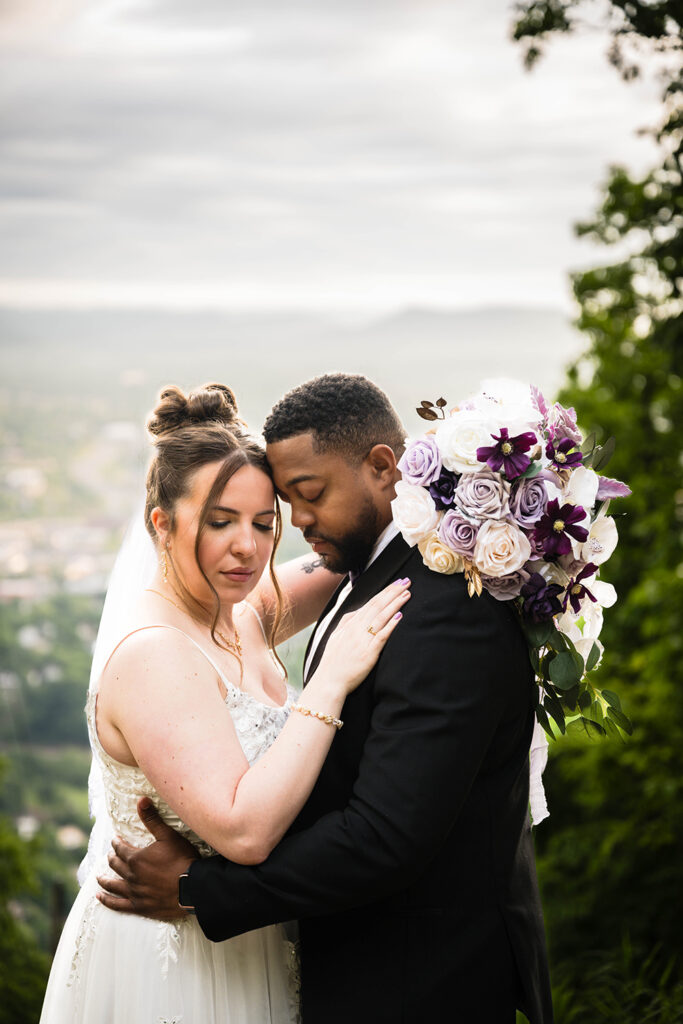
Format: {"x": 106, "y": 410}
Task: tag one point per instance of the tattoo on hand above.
{"x": 315, "y": 563}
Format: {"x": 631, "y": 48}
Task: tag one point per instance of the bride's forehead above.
{"x": 246, "y": 483}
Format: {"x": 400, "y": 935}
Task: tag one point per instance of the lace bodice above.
{"x": 257, "y": 726}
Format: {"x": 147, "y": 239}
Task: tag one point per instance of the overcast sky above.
{"x": 343, "y": 154}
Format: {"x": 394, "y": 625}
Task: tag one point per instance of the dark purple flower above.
{"x": 442, "y": 490}
{"x": 608, "y": 488}
{"x": 509, "y": 453}
{"x": 576, "y": 591}
{"x": 560, "y": 455}
{"x": 555, "y": 527}
{"x": 540, "y": 598}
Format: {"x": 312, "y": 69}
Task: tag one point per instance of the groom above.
{"x": 411, "y": 867}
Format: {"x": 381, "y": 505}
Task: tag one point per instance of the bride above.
{"x": 189, "y": 706}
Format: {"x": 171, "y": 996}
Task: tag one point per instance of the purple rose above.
{"x": 420, "y": 463}
{"x": 482, "y": 495}
{"x": 562, "y": 425}
{"x": 528, "y": 501}
{"x": 458, "y": 533}
{"x": 541, "y": 601}
{"x": 442, "y": 490}
{"x": 505, "y": 588}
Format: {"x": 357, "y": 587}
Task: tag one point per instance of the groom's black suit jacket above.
{"x": 411, "y": 867}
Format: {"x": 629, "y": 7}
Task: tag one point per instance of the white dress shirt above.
{"x": 384, "y": 539}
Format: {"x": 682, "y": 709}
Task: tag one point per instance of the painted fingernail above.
{"x": 406, "y": 581}
{"x": 398, "y": 615}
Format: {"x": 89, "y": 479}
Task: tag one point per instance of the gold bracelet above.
{"x": 328, "y": 719}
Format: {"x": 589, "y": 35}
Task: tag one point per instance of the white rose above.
{"x": 501, "y": 548}
{"x": 459, "y": 436}
{"x": 414, "y": 512}
{"x": 602, "y": 540}
{"x": 437, "y": 556}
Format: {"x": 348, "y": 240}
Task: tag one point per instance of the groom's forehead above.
{"x": 297, "y": 459}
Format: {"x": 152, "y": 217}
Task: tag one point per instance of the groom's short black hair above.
{"x": 346, "y": 413}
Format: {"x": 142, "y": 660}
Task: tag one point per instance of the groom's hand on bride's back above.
{"x": 148, "y": 877}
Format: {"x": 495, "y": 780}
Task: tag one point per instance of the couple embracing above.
{"x": 384, "y": 808}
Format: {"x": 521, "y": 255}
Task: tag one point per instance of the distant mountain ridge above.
{"x": 412, "y": 353}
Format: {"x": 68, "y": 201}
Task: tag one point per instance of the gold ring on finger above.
{"x": 371, "y": 630}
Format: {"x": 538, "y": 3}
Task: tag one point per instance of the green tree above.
{"x": 610, "y": 857}
{"x": 23, "y": 968}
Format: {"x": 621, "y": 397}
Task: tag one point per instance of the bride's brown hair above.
{"x": 189, "y": 431}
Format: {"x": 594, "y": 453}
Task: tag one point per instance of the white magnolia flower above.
{"x": 602, "y": 540}
{"x": 414, "y": 512}
{"x": 437, "y": 556}
{"x": 604, "y": 593}
{"x": 592, "y": 619}
{"x": 459, "y": 436}
{"x": 582, "y": 488}
{"x": 501, "y": 548}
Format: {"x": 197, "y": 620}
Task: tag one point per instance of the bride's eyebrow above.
{"x": 235, "y": 512}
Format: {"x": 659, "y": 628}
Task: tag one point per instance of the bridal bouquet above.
{"x": 505, "y": 490}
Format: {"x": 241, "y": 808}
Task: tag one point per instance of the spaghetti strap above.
{"x": 164, "y": 625}
{"x": 251, "y": 608}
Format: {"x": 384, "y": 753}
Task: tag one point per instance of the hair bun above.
{"x": 210, "y": 403}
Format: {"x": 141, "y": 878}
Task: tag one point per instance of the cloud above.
{"x": 322, "y": 147}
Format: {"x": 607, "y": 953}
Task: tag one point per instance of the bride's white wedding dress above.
{"x": 113, "y": 968}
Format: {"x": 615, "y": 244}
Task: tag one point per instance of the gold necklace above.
{"x": 234, "y": 646}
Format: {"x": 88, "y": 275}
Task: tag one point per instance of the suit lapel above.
{"x": 330, "y": 604}
{"x": 378, "y": 575}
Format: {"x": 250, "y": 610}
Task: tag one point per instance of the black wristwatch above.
{"x": 183, "y": 901}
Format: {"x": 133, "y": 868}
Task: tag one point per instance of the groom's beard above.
{"x": 353, "y": 549}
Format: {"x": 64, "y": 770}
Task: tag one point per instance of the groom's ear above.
{"x": 380, "y": 462}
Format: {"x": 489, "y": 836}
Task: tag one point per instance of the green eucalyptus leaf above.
{"x": 612, "y": 699}
{"x": 543, "y": 719}
{"x": 604, "y": 454}
{"x": 621, "y": 720}
{"x": 554, "y": 709}
{"x": 531, "y": 471}
{"x": 593, "y": 658}
{"x": 538, "y": 632}
{"x": 563, "y": 671}
{"x": 589, "y": 444}
{"x": 584, "y": 700}
{"x": 592, "y": 728}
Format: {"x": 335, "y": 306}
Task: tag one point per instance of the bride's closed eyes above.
{"x": 219, "y": 524}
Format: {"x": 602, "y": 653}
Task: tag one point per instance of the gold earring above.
{"x": 164, "y": 567}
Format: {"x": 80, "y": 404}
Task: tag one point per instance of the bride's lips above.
{"x": 238, "y": 575}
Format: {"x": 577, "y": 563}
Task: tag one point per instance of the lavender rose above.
{"x": 528, "y": 501}
{"x": 458, "y": 533}
{"x": 420, "y": 463}
{"x": 505, "y": 588}
{"x": 482, "y": 495}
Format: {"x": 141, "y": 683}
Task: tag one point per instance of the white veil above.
{"x": 133, "y": 570}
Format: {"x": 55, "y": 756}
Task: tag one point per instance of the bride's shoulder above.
{"x": 152, "y": 652}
